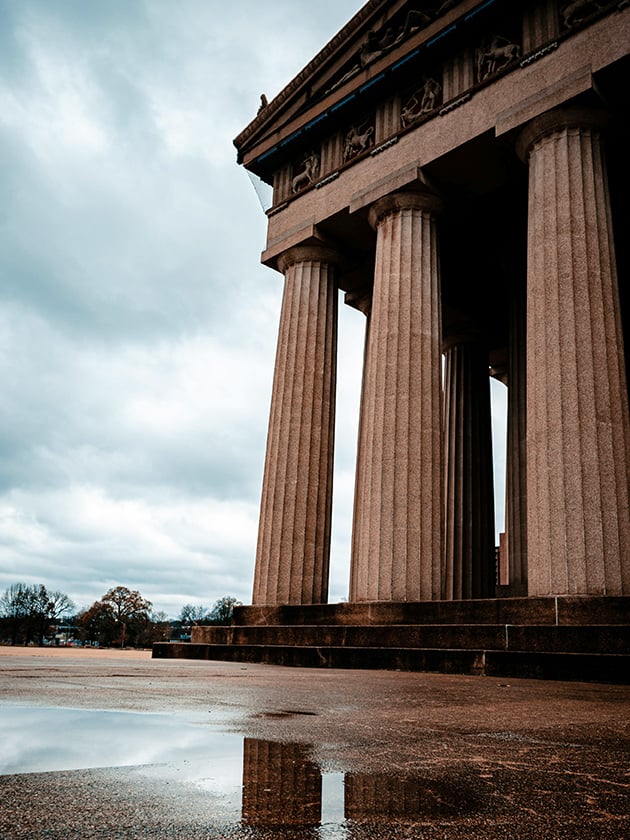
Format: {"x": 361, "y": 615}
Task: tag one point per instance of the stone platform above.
{"x": 568, "y": 638}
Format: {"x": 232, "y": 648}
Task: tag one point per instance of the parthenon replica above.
{"x": 457, "y": 170}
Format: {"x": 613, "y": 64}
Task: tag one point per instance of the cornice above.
{"x": 296, "y": 83}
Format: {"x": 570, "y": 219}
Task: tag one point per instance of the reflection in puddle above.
{"x": 261, "y": 784}
{"x": 283, "y": 786}
{"x": 40, "y": 739}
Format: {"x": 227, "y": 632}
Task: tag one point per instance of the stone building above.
{"x": 457, "y": 170}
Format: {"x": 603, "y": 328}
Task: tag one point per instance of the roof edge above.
{"x": 278, "y": 100}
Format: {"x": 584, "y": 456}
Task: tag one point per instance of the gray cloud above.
{"x": 137, "y": 328}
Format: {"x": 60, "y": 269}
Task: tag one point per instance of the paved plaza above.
{"x": 111, "y": 744}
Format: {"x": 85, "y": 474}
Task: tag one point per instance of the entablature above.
{"x": 394, "y": 67}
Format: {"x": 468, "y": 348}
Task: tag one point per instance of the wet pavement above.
{"x": 103, "y": 744}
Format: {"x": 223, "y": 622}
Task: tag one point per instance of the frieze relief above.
{"x": 494, "y": 55}
{"x": 306, "y": 172}
{"x": 422, "y": 101}
{"x": 358, "y": 139}
{"x": 441, "y": 88}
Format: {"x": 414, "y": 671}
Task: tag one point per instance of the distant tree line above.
{"x": 27, "y": 612}
{"x": 221, "y": 613}
{"x": 30, "y": 614}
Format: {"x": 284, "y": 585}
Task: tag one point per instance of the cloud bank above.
{"x": 137, "y": 328}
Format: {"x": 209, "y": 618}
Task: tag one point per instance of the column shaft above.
{"x": 516, "y": 467}
{"x": 293, "y": 551}
{"x": 578, "y": 438}
{"x": 469, "y": 553}
{"x": 397, "y": 519}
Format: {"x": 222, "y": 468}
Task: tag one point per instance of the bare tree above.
{"x": 126, "y": 606}
{"x": 16, "y": 605}
{"x": 193, "y": 614}
{"x": 29, "y": 611}
{"x": 223, "y": 609}
{"x": 157, "y": 629}
{"x": 49, "y": 608}
{"x": 97, "y": 624}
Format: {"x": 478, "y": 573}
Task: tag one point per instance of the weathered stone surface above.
{"x": 539, "y": 610}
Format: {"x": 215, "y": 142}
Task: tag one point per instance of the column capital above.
{"x": 463, "y": 334}
{"x": 413, "y": 200}
{"x": 308, "y": 253}
{"x": 557, "y": 120}
{"x": 360, "y": 299}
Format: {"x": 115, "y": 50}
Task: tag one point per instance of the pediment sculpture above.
{"x": 380, "y": 42}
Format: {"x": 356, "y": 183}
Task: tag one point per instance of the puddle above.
{"x": 258, "y": 783}
{"x": 42, "y": 739}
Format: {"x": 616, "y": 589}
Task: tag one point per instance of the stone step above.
{"x": 609, "y": 639}
{"x": 557, "y": 637}
{"x": 518, "y": 664}
{"x": 561, "y": 609}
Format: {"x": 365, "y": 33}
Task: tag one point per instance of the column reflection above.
{"x": 281, "y": 785}
{"x": 282, "y": 788}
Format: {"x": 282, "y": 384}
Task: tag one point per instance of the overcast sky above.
{"x": 137, "y": 327}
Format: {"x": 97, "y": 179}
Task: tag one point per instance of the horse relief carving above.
{"x": 357, "y": 140}
{"x": 495, "y": 56}
{"x": 308, "y": 174}
{"x": 423, "y": 101}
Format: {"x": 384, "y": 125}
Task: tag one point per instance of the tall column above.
{"x": 397, "y": 532}
{"x": 578, "y": 431}
{"x": 293, "y": 551}
{"x": 516, "y": 466}
{"x": 469, "y": 552}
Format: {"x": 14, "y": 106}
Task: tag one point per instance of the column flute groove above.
{"x": 302, "y": 568}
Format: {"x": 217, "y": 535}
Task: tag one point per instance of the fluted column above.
{"x": 578, "y": 437}
{"x": 293, "y": 550}
{"x": 398, "y": 501}
{"x": 469, "y": 553}
{"x": 516, "y": 466}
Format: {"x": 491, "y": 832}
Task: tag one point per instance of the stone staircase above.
{"x": 563, "y": 637}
